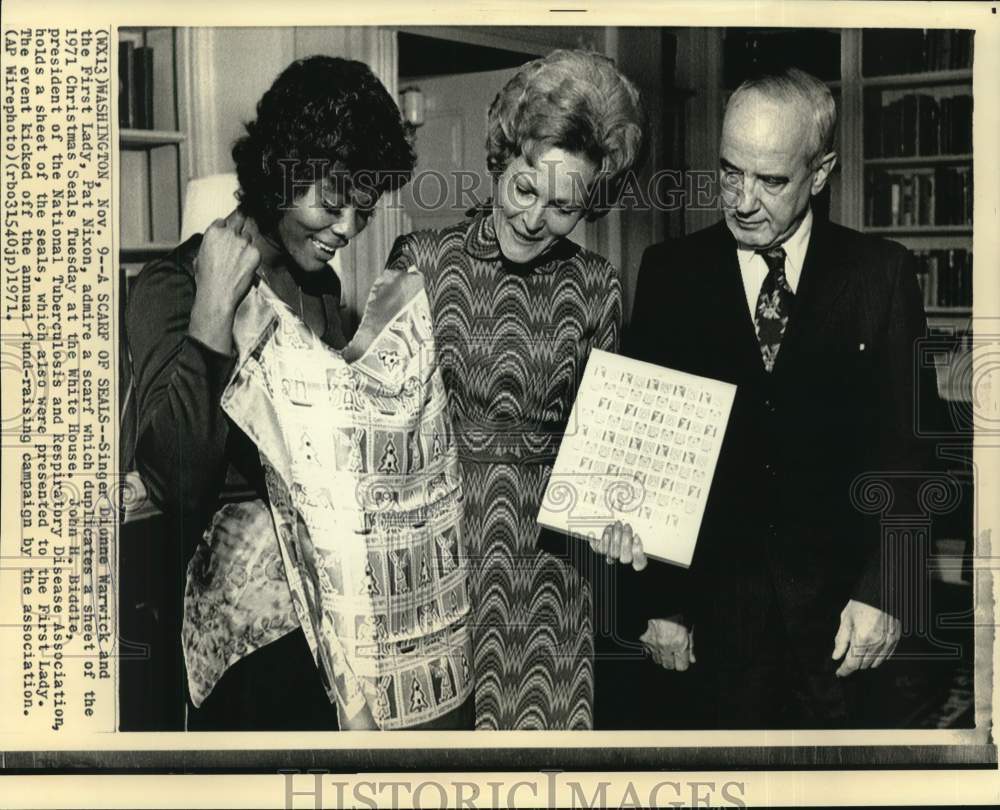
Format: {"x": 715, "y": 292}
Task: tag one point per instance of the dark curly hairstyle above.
{"x": 322, "y": 116}
{"x": 577, "y": 101}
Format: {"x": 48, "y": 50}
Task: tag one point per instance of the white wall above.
{"x": 232, "y": 68}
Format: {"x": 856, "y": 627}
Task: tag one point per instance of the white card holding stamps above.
{"x": 641, "y": 446}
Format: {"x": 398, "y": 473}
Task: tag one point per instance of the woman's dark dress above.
{"x": 513, "y": 341}
{"x": 192, "y": 459}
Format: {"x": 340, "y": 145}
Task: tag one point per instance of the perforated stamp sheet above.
{"x": 592, "y": 195}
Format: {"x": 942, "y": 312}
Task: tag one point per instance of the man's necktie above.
{"x": 774, "y": 305}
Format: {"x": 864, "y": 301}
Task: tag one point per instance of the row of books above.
{"x": 917, "y": 124}
{"x": 135, "y": 86}
{"x": 914, "y": 50}
{"x": 945, "y": 277}
{"x": 919, "y": 196}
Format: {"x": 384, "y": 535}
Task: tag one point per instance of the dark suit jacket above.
{"x": 783, "y": 537}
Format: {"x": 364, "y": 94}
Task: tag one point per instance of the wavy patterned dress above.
{"x": 512, "y": 343}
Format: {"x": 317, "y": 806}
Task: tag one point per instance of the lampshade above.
{"x": 206, "y": 200}
{"x": 412, "y": 105}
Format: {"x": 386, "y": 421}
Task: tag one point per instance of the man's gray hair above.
{"x": 794, "y": 85}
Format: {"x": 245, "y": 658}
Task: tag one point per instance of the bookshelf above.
{"x": 153, "y": 155}
{"x": 905, "y": 144}
{"x": 916, "y": 87}
{"x": 153, "y": 142}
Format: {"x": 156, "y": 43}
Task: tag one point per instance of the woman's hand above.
{"x": 225, "y": 267}
{"x": 619, "y": 544}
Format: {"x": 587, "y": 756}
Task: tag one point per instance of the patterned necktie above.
{"x": 774, "y": 304}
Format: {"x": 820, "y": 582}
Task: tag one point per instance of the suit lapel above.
{"x": 736, "y": 327}
{"x": 823, "y": 278}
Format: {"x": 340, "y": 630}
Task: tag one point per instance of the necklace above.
{"x": 270, "y": 274}
{"x": 273, "y": 274}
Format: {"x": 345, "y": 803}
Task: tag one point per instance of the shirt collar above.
{"x": 795, "y": 247}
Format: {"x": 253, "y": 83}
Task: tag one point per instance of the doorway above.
{"x": 458, "y": 81}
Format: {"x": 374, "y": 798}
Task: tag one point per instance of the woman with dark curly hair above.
{"x": 327, "y": 141}
{"x": 517, "y": 307}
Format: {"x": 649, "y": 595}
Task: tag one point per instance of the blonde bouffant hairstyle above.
{"x": 577, "y": 101}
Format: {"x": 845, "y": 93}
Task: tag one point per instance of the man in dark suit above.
{"x": 791, "y": 593}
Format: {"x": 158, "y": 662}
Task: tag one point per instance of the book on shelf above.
{"x": 911, "y": 124}
{"x": 921, "y": 195}
{"x": 144, "y": 87}
{"x": 891, "y": 51}
{"x": 925, "y": 198}
{"x": 954, "y": 195}
{"x": 126, "y": 84}
{"x": 928, "y": 133}
{"x": 956, "y": 124}
{"x": 135, "y": 86}
{"x": 945, "y": 277}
